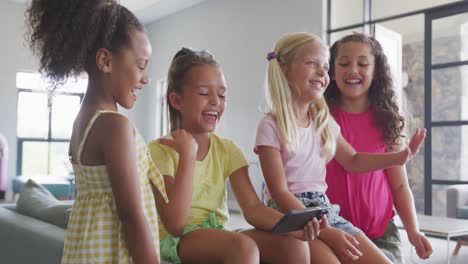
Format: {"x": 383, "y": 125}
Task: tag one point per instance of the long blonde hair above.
{"x": 279, "y": 98}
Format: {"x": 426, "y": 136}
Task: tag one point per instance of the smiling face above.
{"x": 354, "y": 70}
{"x": 202, "y": 100}
{"x": 130, "y": 69}
{"x": 307, "y": 74}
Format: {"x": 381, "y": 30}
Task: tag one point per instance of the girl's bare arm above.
{"x": 353, "y": 161}
{"x": 275, "y": 179}
{"x": 404, "y": 204}
{"x": 259, "y": 215}
{"x": 179, "y": 188}
{"x": 119, "y": 152}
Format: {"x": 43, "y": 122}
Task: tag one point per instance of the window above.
{"x": 162, "y": 114}
{"x": 44, "y": 124}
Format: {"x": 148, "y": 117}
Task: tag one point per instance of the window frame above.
{"x": 49, "y": 139}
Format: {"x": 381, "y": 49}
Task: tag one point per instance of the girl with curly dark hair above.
{"x": 363, "y": 103}
{"x": 113, "y": 219}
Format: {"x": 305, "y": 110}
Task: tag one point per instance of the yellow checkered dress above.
{"x": 94, "y": 233}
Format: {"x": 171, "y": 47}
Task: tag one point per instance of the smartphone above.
{"x": 296, "y": 219}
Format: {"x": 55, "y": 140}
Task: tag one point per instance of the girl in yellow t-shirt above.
{"x": 196, "y": 165}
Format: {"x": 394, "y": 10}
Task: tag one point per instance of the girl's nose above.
{"x": 214, "y": 99}
{"x": 321, "y": 71}
{"x": 144, "y": 78}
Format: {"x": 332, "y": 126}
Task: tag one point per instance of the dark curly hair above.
{"x": 67, "y": 34}
{"x": 184, "y": 60}
{"x": 381, "y": 95}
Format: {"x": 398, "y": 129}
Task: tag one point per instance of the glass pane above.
{"x": 415, "y": 172}
{"x": 59, "y": 162}
{"x": 35, "y": 158}
{"x": 383, "y": 8}
{"x": 412, "y": 77}
{"x": 27, "y": 80}
{"x": 450, "y": 94}
{"x": 439, "y": 200}
{"x": 412, "y": 34}
{"x": 74, "y": 85}
{"x": 413, "y": 93}
{"x": 34, "y": 81}
{"x": 64, "y": 110}
{"x": 161, "y": 116}
{"x": 346, "y": 12}
{"x": 338, "y": 35}
{"x": 33, "y": 116}
{"x": 450, "y": 39}
{"x": 450, "y": 153}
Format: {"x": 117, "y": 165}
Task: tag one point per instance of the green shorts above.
{"x": 390, "y": 243}
{"x": 169, "y": 245}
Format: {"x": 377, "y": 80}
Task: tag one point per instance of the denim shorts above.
{"x": 315, "y": 199}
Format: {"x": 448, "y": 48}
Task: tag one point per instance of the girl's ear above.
{"x": 284, "y": 68}
{"x": 104, "y": 60}
{"x": 175, "y": 100}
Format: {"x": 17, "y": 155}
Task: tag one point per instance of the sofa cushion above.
{"x": 57, "y": 185}
{"x": 36, "y": 201}
{"x": 463, "y": 212}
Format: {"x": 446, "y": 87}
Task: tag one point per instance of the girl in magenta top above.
{"x": 362, "y": 101}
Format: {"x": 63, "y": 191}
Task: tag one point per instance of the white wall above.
{"x": 16, "y": 57}
{"x": 239, "y": 33}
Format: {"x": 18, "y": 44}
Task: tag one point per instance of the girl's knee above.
{"x": 298, "y": 252}
{"x": 294, "y": 251}
{"x": 244, "y": 247}
{"x": 322, "y": 253}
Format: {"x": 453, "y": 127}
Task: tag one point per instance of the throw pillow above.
{"x": 37, "y": 202}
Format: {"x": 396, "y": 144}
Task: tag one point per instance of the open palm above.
{"x": 416, "y": 141}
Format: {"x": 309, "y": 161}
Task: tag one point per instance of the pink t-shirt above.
{"x": 365, "y": 198}
{"x": 304, "y": 168}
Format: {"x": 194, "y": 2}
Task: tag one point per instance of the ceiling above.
{"x": 150, "y": 10}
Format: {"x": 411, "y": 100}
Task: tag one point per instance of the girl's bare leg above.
{"x": 370, "y": 252}
{"x": 209, "y": 245}
{"x": 321, "y": 253}
{"x": 279, "y": 249}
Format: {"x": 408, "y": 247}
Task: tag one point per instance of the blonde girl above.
{"x": 297, "y": 138}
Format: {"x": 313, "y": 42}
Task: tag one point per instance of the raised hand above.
{"x": 416, "y": 141}
{"x": 413, "y": 146}
{"x": 182, "y": 142}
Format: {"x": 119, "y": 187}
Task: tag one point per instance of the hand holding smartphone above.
{"x": 296, "y": 219}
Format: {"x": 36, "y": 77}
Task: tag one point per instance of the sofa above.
{"x": 457, "y": 207}
{"x": 457, "y": 201}
{"x": 32, "y": 230}
{"x": 25, "y": 239}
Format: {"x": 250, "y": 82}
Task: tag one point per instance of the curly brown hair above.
{"x": 67, "y": 34}
{"x": 381, "y": 95}
{"x": 184, "y": 60}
